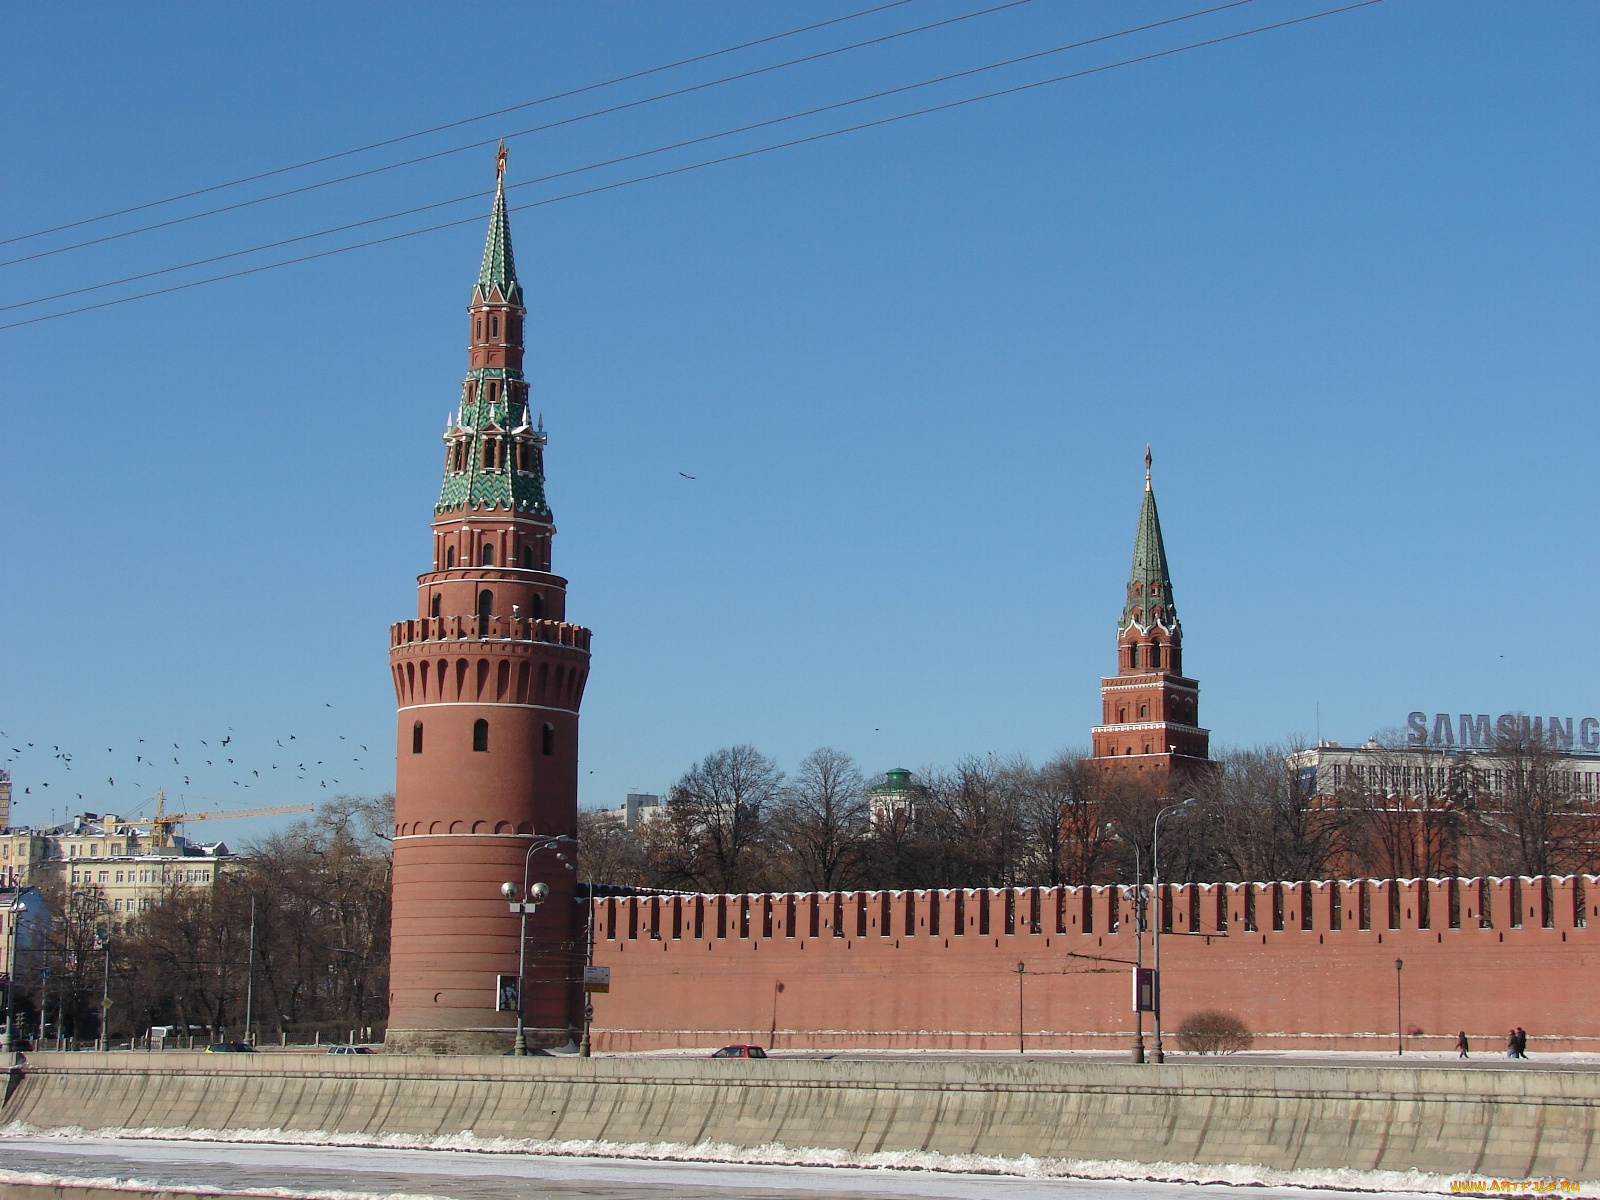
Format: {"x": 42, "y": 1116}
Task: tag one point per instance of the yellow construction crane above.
{"x": 162, "y": 822}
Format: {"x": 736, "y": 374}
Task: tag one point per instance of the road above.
{"x": 461, "y": 1175}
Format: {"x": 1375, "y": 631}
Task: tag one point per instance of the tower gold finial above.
{"x": 1147, "y": 461}
{"x": 500, "y": 163}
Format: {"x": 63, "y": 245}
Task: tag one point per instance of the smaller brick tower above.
{"x": 1150, "y": 709}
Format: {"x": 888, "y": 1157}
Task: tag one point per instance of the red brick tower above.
{"x": 489, "y": 677}
{"x": 1150, "y": 708}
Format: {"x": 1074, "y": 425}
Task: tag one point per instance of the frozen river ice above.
{"x": 465, "y": 1175}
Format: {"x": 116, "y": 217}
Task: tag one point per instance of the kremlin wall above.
{"x": 488, "y": 679}
{"x": 1304, "y": 965}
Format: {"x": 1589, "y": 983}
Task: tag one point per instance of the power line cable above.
{"x": 478, "y": 145}
{"x": 881, "y": 121}
{"x": 410, "y": 212}
{"x": 405, "y": 137}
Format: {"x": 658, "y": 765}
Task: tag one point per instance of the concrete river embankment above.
{"x": 1504, "y": 1124}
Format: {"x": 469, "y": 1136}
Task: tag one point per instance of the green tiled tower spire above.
{"x": 499, "y": 269}
{"x": 1149, "y": 582}
{"x": 494, "y": 453}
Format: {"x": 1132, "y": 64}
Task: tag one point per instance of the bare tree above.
{"x": 971, "y": 832}
{"x": 820, "y": 822}
{"x": 1534, "y": 822}
{"x": 1409, "y": 815}
{"x": 608, "y": 851}
{"x": 319, "y": 895}
{"x": 1265, "y": 821}
{"x": 1063, "y": 816}
{"x": 709, "y": 838}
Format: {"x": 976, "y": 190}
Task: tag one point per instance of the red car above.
{"x": 740, "y": 1052}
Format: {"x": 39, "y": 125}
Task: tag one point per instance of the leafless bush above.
{"x": 1213, "y": 1032}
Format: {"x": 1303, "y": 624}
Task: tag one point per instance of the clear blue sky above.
{"x": 1342, "y": 276}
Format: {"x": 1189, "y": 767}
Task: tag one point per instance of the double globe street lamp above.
{"x": 1147, "y": 990}
{"x": 525, "y": 902}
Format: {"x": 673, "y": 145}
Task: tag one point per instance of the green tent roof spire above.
{"x": 499, "y": 266}
{"x": 1149, "y": 582}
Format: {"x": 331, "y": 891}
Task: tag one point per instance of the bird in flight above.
{"x": 686, "y": 476}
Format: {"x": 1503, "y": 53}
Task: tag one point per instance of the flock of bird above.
{"x": 284, "y": 764}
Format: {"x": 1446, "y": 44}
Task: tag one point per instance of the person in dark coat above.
{"x": 1522, "y": 1042}
{"x": 1511, "y": 1045}
{"x": 1461, "y": 1043}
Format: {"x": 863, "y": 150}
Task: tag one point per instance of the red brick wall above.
{"x": 768, "y": 978}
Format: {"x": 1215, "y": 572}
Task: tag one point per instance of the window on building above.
{"x": 494, "y": 392}
{"x": 548, "y": 745}
{"x": 437, "y": 599}
{"x": 1155, "y": 656}
{"x": 494, "y": 327}
{"x": 536, "y": 606}
{"x": 450, "y": 558}
{"x": 480, "y": 735}
{"x": 1144, "y": 710}
{"x": 416, "y": 737}
{"x": 116, "y": 848}
{"x": 488, "y": 554}
{"x": 477, "y": 329}
{"x": 119, "y": 876}
{"x": 1133, "y": 655}
{"x": 105, "y": 877}
{"x": 527, "y": 557}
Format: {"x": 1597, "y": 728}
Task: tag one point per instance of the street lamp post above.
{"x": 532, "y": 895}
{"x": 15, "y": 910}
{"x": 1399, "y": 1022}
{"x": 250, "y": 976}
{"x": 1155, "y": 880}
{"x": 1138, "y": 941}
{"x": 584, "y": 1049}
{"x": 1022, "y": 970}
{"x": 103, "y": 943}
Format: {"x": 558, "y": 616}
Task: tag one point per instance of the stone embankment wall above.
{"x": 1304, "y": 965}
{"x": 1509, "y": 1124}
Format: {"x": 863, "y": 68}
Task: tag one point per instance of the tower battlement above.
{"x": 458, "y": 628}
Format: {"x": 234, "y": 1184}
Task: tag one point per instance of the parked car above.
{"x": 349, "y": 1050}
{"x": 740, "y": 1052}
{"x": 230, "y": 1048}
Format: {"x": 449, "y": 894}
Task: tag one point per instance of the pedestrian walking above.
{"x": 1522, "y": 1042}
{"x": 1461, "y": 1044}
{"x": 1511, "y": 1044}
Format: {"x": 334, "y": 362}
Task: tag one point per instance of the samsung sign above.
{"x": 1479, "y": 732}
